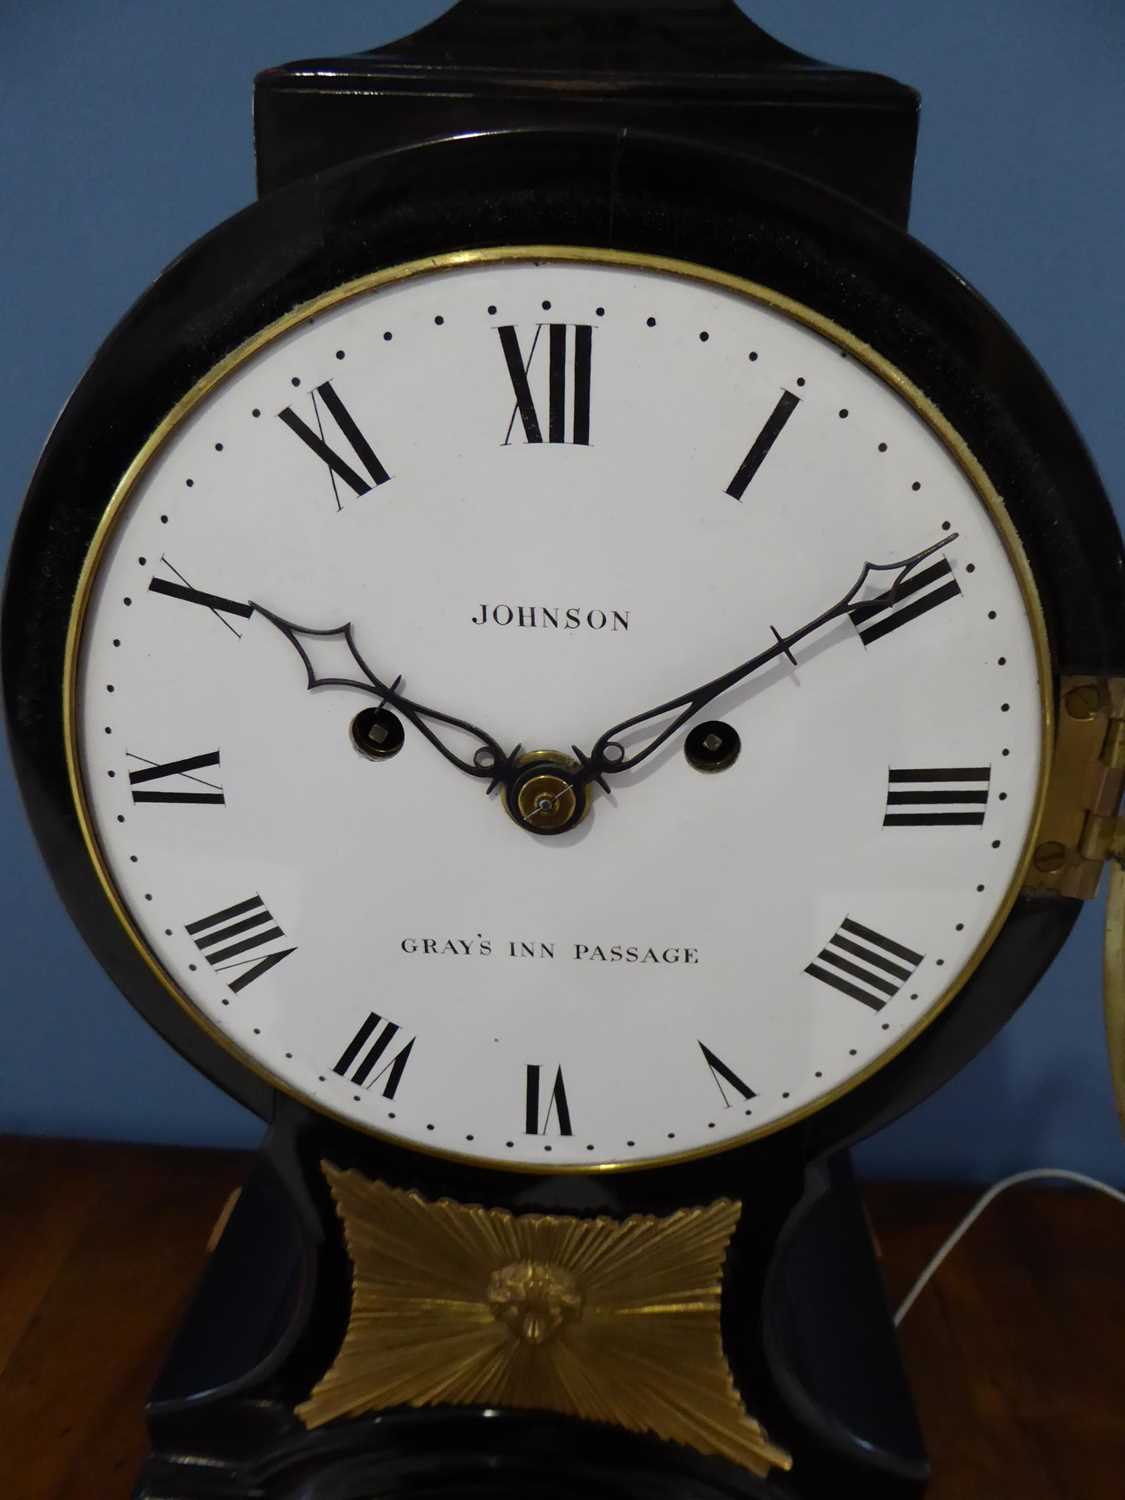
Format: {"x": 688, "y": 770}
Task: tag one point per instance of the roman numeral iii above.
{"x": 228, "y": 939}
{"x": 371, "y": 1046}
{"x": 183, "y": 785}
{"x": 953, "y": 796}
{"x": 363, "y": 469}
{"x": 920, "y": 592}
{"x": 539, "y": 1112}
{"x": 569, "y": 348}
{"x": 864, "y": 964}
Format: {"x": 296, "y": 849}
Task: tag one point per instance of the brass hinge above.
{"x": 1114, "y": 983}
{"x": 1081, "y": 830}
{"x": 1081, "y": 827}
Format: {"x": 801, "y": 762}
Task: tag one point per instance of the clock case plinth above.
{"x": 805, "y": 1326}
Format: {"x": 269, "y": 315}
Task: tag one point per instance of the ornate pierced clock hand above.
{"x": 543, "y": 791}
{"x": 608, "y": 755}
{"x": 489, "y": 761}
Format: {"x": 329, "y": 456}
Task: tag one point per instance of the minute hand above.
{"x": 598, "y": 763}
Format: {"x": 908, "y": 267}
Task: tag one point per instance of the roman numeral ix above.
{"x": 228, "y": 939}
{"x": 864, "y": 964}
{"x": 953, "y": 796}
{"x": 358, "y": 476}
{"x": 569, "y": 348}
{"x": 184, "y": 789}
{"x": 759, "y": 449}
{"x": 920, "y": 592}
{"x": 537, "y": 1122}
{"x": 360, "y": 1059}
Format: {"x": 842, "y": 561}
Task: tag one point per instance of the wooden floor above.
{"x": 1016, "y": 1352}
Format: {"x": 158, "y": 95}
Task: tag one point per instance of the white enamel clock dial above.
{"x": 549, "y": 495}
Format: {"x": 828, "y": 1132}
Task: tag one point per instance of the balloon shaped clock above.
{"x": 574, "y": 668}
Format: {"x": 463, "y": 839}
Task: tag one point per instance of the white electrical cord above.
{"x": 974, "y": 1214}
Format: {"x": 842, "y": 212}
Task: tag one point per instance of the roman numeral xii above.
{"x": 569, "y": 348}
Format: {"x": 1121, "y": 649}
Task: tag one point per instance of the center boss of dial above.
{"x": 543, "y": 796}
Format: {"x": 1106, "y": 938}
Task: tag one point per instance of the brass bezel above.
{"x": 827, "y": 328}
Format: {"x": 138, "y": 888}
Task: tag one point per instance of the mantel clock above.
{"x": 574, "y": 668}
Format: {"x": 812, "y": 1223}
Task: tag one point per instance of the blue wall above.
{"x": 125, "y": 133}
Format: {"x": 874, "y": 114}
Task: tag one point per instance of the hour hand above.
{"x": 331, "y": 658}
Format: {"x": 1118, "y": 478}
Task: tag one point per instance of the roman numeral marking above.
{"x": 226, "y": 936}
{"x": 155, "y": 771}
{"x": 720, "y": 1072}
{"x": 920, "y": 592}
{"x": 877, "y": 968}
{"x": 762, "y": 444}
{"x": 950, "y": 796}
{"x": 214, "y": 602}
{"x": 362, "y": 1066}
{"x": 569, "y": 350}
{"x": 338, "y": 467}
{"x": 556, "y": 1103}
